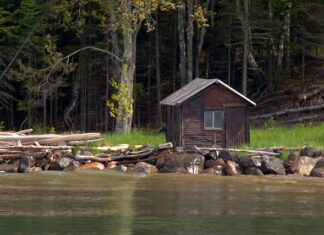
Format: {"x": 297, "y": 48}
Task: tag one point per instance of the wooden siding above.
{"x": 235, "y": 126}
{"x": 193, "y": 125}
{"x": 186, "y": 122}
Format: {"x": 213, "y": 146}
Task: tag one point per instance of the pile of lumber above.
{"x": 47, "y": 150}
{"x": 292, "y": 103}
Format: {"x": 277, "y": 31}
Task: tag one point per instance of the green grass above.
{"x": 294, "y": 136}
{"x": 136, "y": 137}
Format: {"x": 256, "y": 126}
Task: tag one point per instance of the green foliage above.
{"x": 293, "y": 136}
{"x": 270, "y": 123}
{"x": 136, "y": 137}
{"x": 119, "y": 100}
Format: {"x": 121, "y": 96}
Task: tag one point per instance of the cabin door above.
{"x": 234, "y": 126}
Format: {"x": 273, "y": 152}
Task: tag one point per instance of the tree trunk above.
{"x": 190, "y": 34}
{"x": 158, "y": 74}
{"x": 182, "y": 46}
{"x": 229, "y": 58}
{"x": 270, "y": 49}
{"x": 284, "y": 36}
{"x": 124, "y": 118}
{"x": 245, "y": 45}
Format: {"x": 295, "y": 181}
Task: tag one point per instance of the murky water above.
{"x": 112, "y": 203}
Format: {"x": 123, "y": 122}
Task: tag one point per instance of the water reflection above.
{"x": 110, "y": 203}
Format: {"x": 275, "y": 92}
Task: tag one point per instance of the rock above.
{"x": 111, "y": 165}
{"x": 232, "y": 168}
{"x": 220, "y": 162}
{"x": 73, "y": 165}
{"x": 293, "y": 155}
{"x": 211, "y": 155}
{"x": 257, "y": 162}
{"x": 5, "y": 167}
{"x": 143, "y": 167}
{"x": 245, "y": 162}
{"x": 32, "y": 169}
{"x": 225, "y": 155}
{"x": 92, "y": 166}
{"x": 183, "y": 163}
{"x": 159, "y": 162}
{"x": 26, "y": 162}
{"x": 318, "y": 170}
{"x": 307, "y": 151}
{"x": 209, "y": 164}
{"x": 60, "y": 163}
{"x": 273, "y": 165}
{"x": 121, "y": 168}
{"x": 317, "y": 154}
{"x": 212, "y": 163}
{"x": 216, "y": 170}
{"x": 302, "y": 165}
{"x": 253, "y": 171}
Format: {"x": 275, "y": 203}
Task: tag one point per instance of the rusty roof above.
{"x": 194, "y": 87}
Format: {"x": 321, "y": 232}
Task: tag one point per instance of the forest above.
{"x": 105, "y": 65}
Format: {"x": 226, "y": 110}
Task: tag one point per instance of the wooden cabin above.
{"x": 207, "y": 112}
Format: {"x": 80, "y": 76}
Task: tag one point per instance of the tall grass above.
{"x": 294, "y": 136}
{"x": 136, "y": 137}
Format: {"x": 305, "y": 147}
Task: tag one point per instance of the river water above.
{"x": 112, "y": 203}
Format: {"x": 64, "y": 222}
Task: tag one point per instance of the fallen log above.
{"x": 66, "y": 138}
{"x": 23, "y": 154}
{"x": 121, "y": 148}
{"x": 303, "y": 119}
{"x": 146, "y": 159}
{"x": 288, "y": 111}
{"x": 280, "y": 149}
{"x": 168, "y": 145}
{"x": 238, "y": 150}
{"x": 23, "y": 148}
{"x": 27, "y": 138}
{"x": 22, "y": 132}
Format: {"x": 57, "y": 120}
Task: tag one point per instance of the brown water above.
{"x": 111, "y": 203}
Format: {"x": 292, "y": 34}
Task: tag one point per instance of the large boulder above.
{"x": 302, "y": 165}
{"x": 253, "y": 171}
{"x": 216, "y": 170}
{"x": 60, "y": 163}
{"x": 272, "y": 165}
{"x": 143, "y": 167}
{"x": 226, "y": 156}
{"x": 245, "y": 162}
{"x": 232, "y": 168}
{"x": 92, "y": 166}
{"x": 318, "y": 170}
{"x": 183, "y": 163}
{"x": 307, "y": 151}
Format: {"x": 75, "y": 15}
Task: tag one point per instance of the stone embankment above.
{"x": 165, "y": 159}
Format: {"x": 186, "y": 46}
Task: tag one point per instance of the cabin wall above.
{"x": 215, "y": 97}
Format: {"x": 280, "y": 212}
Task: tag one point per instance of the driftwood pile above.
{"x": 292, "y": 103}
{"x": 23, "y": 152}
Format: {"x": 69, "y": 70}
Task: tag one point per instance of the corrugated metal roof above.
{"x": 194, "y": 87}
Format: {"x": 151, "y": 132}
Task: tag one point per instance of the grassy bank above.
{"x": 294, "y": 136}
{"x": 137, "y": 137}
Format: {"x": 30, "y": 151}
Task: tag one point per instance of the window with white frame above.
{"x": 213, "y": 119}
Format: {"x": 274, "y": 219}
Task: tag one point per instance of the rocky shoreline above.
{"x": 166, "y": 159}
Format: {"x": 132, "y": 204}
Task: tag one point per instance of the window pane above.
{"x": 208, "y": 119}
{"x": 218, "y": 116}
